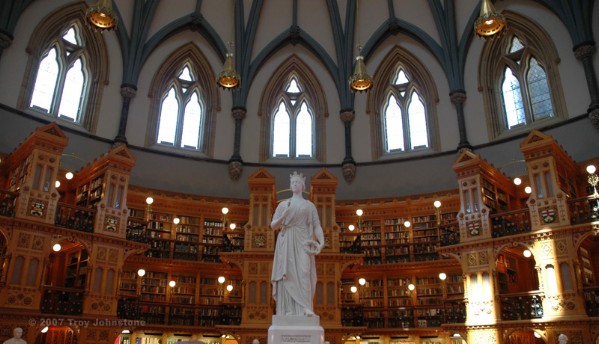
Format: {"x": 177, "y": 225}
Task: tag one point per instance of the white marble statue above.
{"x": 16, "y": 339}
{"x": 299, "y": 240}
{"x": 562, "y": 339}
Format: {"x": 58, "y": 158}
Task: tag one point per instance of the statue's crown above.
{"x": 299, "y": 176}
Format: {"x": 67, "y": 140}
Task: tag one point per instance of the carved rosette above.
{"x": 100, "y": 305}
{"x": 561, "y": 303}
{"x": 21, "y": 298}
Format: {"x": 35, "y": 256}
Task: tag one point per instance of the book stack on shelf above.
{"x": 212, "y": 240}
{"x": 153, "y": 297}
{"x": 128, "y": 283}
{"x": 400, "y": 302}
{"x": 397, "y": 241}
{"x": 425, "y": 233}
{"x": 136, "y": 225}
{"x": 18, "y": 175}
{"x": 233, "y": 240}
{"x": 349, "y": 241}
{"x": 429, "y": 302}
{"x": 211, "y": 296}
{"x": 187, "y": 238}
{"x": 371, "y": 242}
{"x": 454, "y": 307}
{"x": 494, "y": 197}
{"x": 372, "y": 297}
{"x": 90, "y": 192}
{"x": 159, "y": 236}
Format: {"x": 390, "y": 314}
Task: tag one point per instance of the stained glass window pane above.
{"x": 45, "y": 82}
{"x": 168, "y": 118}
{"x": 512, "y": 100}
{"x": 538, "y": 88}
{"x": 417, "y": 120}
{"x": 303, "y": 135}
{"x": 191, "y": 123}
{"x": 281, "y": 130}
{"x": 393, "y": 125}
{"x": 72, "y": 94}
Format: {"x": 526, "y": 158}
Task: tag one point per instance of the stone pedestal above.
{"x": 295, "y": 329}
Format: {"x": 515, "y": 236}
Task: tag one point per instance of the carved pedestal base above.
{"x": 295, "y": 329}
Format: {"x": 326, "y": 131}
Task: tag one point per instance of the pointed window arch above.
{"x": 293, "y": 125}
{"x": 181, "y": 112}
{"x": 183, "y": 105}
{"x": 402, "y": 101}
{"x": 293, "y": 112}
{"x": 62, "y": 78}
{"x": 67, "y": 69}
{"x": 522, "y": 67}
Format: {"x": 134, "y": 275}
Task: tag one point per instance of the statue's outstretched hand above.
{"x": 312, "y": 247}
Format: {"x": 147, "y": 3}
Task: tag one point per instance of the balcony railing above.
{"x": 510, "y": 223}
{"x": 521, "y": 306}
{"x": 584, "y": 210}
{"x": 73, "y": 217}
{"x": 7, "y": 203}
{"x": 404, "y": 316}
{"x": 160, "y": 313}
{"x": 450, "y": 234}
{"x": 60, "y": 300}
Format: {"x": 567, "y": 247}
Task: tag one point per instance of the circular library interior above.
{"x": 446, "y": 146}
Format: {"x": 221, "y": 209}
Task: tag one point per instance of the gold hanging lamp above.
{"x": 228, "y": 79}
{"x": 489, "y": 23}
{"x": 360, "y": 81}
{"x": 101, "y": 17}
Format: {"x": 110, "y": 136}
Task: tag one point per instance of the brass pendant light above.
{"x": 489, "y": 23}
{"x": 228, "y": 79}
{"x": 101, "y": 17}
{"x": 360, "y": 81}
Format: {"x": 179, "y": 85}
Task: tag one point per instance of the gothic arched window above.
{"x": 293, "y": 109}
{"x": 182, "y": 115}
{"x": 520, "y": 81}
{"x": 67, "y": 69}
